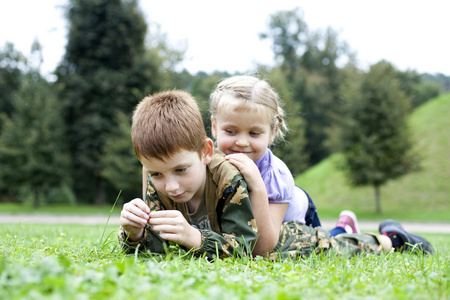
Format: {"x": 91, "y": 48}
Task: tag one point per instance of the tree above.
{"x": 438, "y": 79}
{"x": 106, "y": 69}
{"x": 12, "y": 67}
{"x": 290, "y": 149}
{"x": 309, "y": 63}
{"x": 120, "y": 165}
{"x": 288, "y": 32}
{"x": 201, "y": 87}
{"x": 375, "y": 139}
{"x": 414, "y": 85}
{"x": 31, "y": 148}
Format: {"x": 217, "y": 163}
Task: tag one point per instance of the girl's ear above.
{"x": 273, "y": 134}
{"x": 213, "y": 128}
{"x": 208, "y": 151}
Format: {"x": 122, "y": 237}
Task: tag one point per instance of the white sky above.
{"x": 223, "y": 35}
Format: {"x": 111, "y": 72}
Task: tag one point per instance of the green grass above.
{"x": 60, "y": 209}
{"x": 421, "y": 196}
{"x": 79, "y": 262}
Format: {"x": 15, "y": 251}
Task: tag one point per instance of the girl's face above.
{"x": 245, "y": 131}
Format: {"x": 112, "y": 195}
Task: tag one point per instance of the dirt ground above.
{"x": 428, "y": 227}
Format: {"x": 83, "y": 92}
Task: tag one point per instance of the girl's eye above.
{"x": 229, "y": 131}
{"x": 254, "y": 133}
{"x": 155, "y": 174}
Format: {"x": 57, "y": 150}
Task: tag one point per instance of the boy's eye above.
{"x": 255, "y": 133}
{"x": 229, "y": 131}
{"x": 155, "y": 174}
{"x": 181, "y": 170}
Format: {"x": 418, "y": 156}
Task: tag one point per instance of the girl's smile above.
{"x": 244, "y": 131}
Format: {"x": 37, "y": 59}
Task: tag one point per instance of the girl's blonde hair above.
{"x": 248, "y": 92}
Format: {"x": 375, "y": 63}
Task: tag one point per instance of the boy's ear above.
{"x": 213, "y": 128}
{"x": 208, "y": 151}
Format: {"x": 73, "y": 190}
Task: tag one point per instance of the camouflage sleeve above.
{"x": 151, "y": 241}
{"x": 237, "y": 222}
{"x": 238, "y": 227}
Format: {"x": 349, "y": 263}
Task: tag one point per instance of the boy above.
{"x": 194, "y": 198}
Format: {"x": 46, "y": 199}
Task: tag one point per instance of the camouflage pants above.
{"x": 298, "y": 240}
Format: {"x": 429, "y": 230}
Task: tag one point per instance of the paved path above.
{"x": 425, "y": 227}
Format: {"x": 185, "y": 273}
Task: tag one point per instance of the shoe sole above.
{"x": 353, "y": 217}
{"x": 409, "y": 239}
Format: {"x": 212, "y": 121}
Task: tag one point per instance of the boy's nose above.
{"x": 172, "y": 185}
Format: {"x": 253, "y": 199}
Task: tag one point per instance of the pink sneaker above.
{"x": 348, "y": 221}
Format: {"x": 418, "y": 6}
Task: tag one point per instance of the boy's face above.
{"x": 245, "y": 132}
{"x": 181, "y": 177}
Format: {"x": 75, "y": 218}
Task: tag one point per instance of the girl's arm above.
{"x": 268, "y": 218}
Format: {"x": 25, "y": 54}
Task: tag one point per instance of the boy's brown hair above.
{"x": 166, "y": 123}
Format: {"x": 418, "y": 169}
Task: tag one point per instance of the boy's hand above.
{"x": 248, "y": 169}
{"x": 133, "y": 218}
{"x": 172, "y": 226}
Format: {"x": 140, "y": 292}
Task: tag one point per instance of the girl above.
{"x": 246, "y": 118}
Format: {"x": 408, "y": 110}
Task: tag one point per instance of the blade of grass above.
{"x": 101, "y": 243}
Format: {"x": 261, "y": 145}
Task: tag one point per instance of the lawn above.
{"x": 60, "y": 209}
{"x": 84, "y": 262}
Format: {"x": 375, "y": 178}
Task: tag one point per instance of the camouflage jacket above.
{"x": 233, "y": 227}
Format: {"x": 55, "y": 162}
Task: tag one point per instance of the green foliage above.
{"x": 288, "y": 32}
{"x": 419, "y": 195}
{"x": 308, "y": 62}
{"x": 60, "y": 195}
{"x": 201, "y": 86}
{"x": 32, "y": 153}
{"x": 164, "y": 59}
{"x": 120, "y": 165}
{"x": 375, "y": 138}
{"x": 78, "y": 262}
{"x": 416, "y": 88}
{"x": 295, "y": 138}
{"x": 438, "y": 79}
{"x": 106, "y": 69}
{"x": 312, "y": 92}
{"x": 11, "y": 64}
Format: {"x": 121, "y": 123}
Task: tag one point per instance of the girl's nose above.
{"x": 241, "y": 142}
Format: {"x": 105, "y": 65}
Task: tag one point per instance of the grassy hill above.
{"x": 423, "y": 195}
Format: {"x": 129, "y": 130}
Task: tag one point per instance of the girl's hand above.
{"x": 172, "y": 226}
{"x": 258, "y": 197}
{"x": 248, "y": 169}
{"x": 133, "y": 218}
